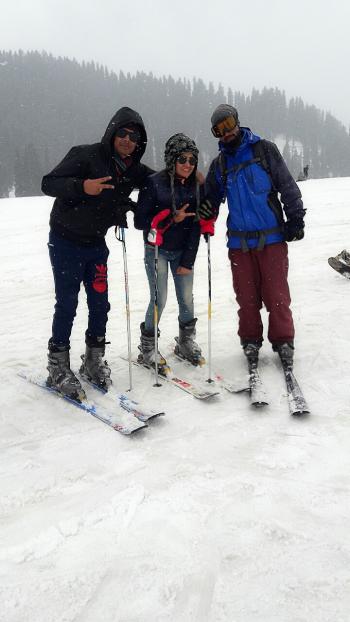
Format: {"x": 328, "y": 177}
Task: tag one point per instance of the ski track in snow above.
{"x": 214, "y": 513}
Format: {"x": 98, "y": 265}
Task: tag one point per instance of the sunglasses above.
{"x": 183, "y": 159}
{"x": 227, "y": 125}
{"x": 134, "y": 135}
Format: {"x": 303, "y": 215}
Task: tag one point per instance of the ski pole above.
{"x": 120, "y": 235}
{"x": 209, "y": 310}
{"x": 157, "y": 384}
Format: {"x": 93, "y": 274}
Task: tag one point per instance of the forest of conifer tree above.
{"x": 49, "y": 104}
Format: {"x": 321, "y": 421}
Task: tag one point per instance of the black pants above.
{"x": 71, "y": 265}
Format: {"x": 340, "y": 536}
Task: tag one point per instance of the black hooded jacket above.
{"x": 83, "y": 218}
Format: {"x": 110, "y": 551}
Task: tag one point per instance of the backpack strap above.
{"x": 224, "y": 171}
{"x": 260, "y": 151}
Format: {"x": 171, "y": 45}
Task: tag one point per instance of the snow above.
{"x": 215, "y": 512}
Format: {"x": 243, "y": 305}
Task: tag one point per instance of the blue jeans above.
{"x": 183, "y": 285}
{"x": 72, "y": 265}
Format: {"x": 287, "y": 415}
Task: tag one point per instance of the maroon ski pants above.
{"x": 260, "y": 277}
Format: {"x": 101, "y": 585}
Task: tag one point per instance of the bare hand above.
{"x": 181, "y": 270}
{"x": 94, "y": 187}
{"x": 181, "y": 213}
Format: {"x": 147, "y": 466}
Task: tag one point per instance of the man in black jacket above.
{"x": 92, "y": 185}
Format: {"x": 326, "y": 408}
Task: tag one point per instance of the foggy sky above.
{"x": 301, "y": 47}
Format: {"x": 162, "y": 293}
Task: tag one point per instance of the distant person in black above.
{"x": 92, "y": 185}
{"x": 341, "y": 263}
{"x": 303, "y": 176}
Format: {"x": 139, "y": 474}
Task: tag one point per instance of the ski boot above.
{"x": 147, "y": 352}
{"x": 93, "y": 367}
{"x": 341, "y": 263}
{"x": 286, "y": 352}
{"x": 257, "y": 392}
{"x": 251, "y": 351}
{"x": 61, "y": 377}
{"x": 186, "y": 348}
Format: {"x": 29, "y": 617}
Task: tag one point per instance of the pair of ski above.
{"x": 126, "y": 416}
{"x": 258, "y": 398}
{"x": 197, "y": 390}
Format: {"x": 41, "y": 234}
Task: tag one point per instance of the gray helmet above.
{"x": 175, "y": 145}
{"x": 222, "y": 112}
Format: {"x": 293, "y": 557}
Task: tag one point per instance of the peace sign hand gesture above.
{"x": 181, "y": 214}
{"x": 94, "y": 187}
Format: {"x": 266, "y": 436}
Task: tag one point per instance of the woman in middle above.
{"x": 166, "y": 211}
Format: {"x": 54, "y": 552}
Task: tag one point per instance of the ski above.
{"x": 229, "y": 385}
{"x": 254, "y": 386}
{"x": 127, "y": 403}
{"x": 257, "y": 392}
{"x": 139, "y": 411}
{"x": 201, "y": 393}
{"x": 194, "y": 389}
{"x": 296, "y": 401}
{"x": 218, "y": 379}
{"x": 121, "y": 422}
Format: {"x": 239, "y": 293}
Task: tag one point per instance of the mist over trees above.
{"x": 49, "y": 104}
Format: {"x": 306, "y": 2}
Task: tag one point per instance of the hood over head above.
{"x": 124, "y": 117}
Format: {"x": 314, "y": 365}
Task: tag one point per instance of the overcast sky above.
{"x": 301, "y": 47}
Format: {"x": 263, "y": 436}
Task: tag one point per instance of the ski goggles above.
{"x": 134, "y": 135}
{"x": 183, "y": 159}
{"x": 223, "y": 127}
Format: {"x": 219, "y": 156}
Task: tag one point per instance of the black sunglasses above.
{"x": 183, "y": 159}
{"x": 134, "y": 135}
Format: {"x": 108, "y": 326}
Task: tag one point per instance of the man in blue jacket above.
{"x": 252, "y": 176}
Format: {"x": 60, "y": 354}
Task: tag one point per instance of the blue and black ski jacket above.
{"x": 254, "y": 179}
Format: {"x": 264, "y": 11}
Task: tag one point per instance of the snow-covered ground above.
{"x": 214, "y": 513}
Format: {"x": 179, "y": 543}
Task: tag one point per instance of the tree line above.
{"x": 49, "y": 104}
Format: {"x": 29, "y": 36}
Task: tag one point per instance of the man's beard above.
{"x": 234, "y": 143}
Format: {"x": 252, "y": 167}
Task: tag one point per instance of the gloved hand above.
{"x": 205, "y": 211}
{"x": 207, "y": 227}
{"x": 294, "y": 229}
{"x": 160, "y": 223}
